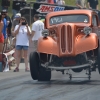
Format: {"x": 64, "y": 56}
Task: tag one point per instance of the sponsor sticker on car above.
{"x": 49, "y": 8}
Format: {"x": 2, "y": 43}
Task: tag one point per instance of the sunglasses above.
{"x": 3, "y": 14}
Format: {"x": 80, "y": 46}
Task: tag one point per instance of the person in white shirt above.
{"x": 22, "y": 33}
{"x": 60, "y": 2}
{"x": 37, "y": 28}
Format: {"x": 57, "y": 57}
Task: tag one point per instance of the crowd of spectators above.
{"x": 17, "y": 4}
{"x": 19, "y": 29}
{"x": 8, "y": 26}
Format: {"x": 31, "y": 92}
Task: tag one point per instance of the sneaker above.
{"x": 16, "y": 69}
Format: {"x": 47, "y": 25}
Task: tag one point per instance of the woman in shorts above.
{"x": 22, "y": 33}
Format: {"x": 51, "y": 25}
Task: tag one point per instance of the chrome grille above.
{"x": 63, "y": 38}
{"x": 66, "y": 38}
{"x": 69, "y": 38}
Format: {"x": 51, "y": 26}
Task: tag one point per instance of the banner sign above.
{"x": 43, "y": 8}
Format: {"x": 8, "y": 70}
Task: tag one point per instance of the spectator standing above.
{"x": 81, "y": 3}
{"x": 9, "y": 24}
{"x": 1, "y": 34}
{"x": 50, "y": 1}
{"x": 4, "y": 31}
{"x": 16, "y": 6}
{"x": 23, "y": 3}
{"x": 5, "y": 4}
{"x": 37, "y": 28}
{"x": 93, "y": 4}
{"x": 60, "y": 2}
{"x": 22, "y": 32}
{"x": 15, "y": 21}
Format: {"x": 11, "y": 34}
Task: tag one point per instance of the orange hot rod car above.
{"x": 70, "y": 41}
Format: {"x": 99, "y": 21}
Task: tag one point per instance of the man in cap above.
{"x": 16, "y": 20}
{"x": 14, "y": 23}
{"x": 9, "y": 23}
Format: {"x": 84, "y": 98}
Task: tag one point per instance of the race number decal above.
{"x": 56, "y": 20}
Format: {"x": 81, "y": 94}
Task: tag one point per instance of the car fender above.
{"x": 48, "y": 45}
{"x": 86, "y": 43}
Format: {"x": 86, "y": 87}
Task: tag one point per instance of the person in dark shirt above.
{"x": 23, "y": 3}
{"x": 93, "y": 4}
{"x": 9, "y": 23}
{"x": 5, "y": 4}
{"x": 16, "y": 7}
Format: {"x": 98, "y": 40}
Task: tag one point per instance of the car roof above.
{"x": 75, "y": 11}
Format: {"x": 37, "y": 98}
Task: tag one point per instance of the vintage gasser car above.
{"x": 70, "y": 41}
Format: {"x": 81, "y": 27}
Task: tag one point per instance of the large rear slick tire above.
{"x": 37, "y": 71}
{"x": 34, "y": 65}
{"x": 44, "y": 75}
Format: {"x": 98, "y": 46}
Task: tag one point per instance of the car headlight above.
{"x": 87, "y": 30}
{"x": 45, "y": 33}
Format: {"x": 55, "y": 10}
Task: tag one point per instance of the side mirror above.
{"x": 45, "y": 33}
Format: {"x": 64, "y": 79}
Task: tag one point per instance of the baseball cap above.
{"x": 18, "y": 15}
{"x": 4, "y": 11}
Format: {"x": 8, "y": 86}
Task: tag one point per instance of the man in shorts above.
{"x": 37, "y": 28}
{"x": 81, "y": 3}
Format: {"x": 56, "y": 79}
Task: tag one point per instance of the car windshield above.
{"x": 79, "y": 18}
